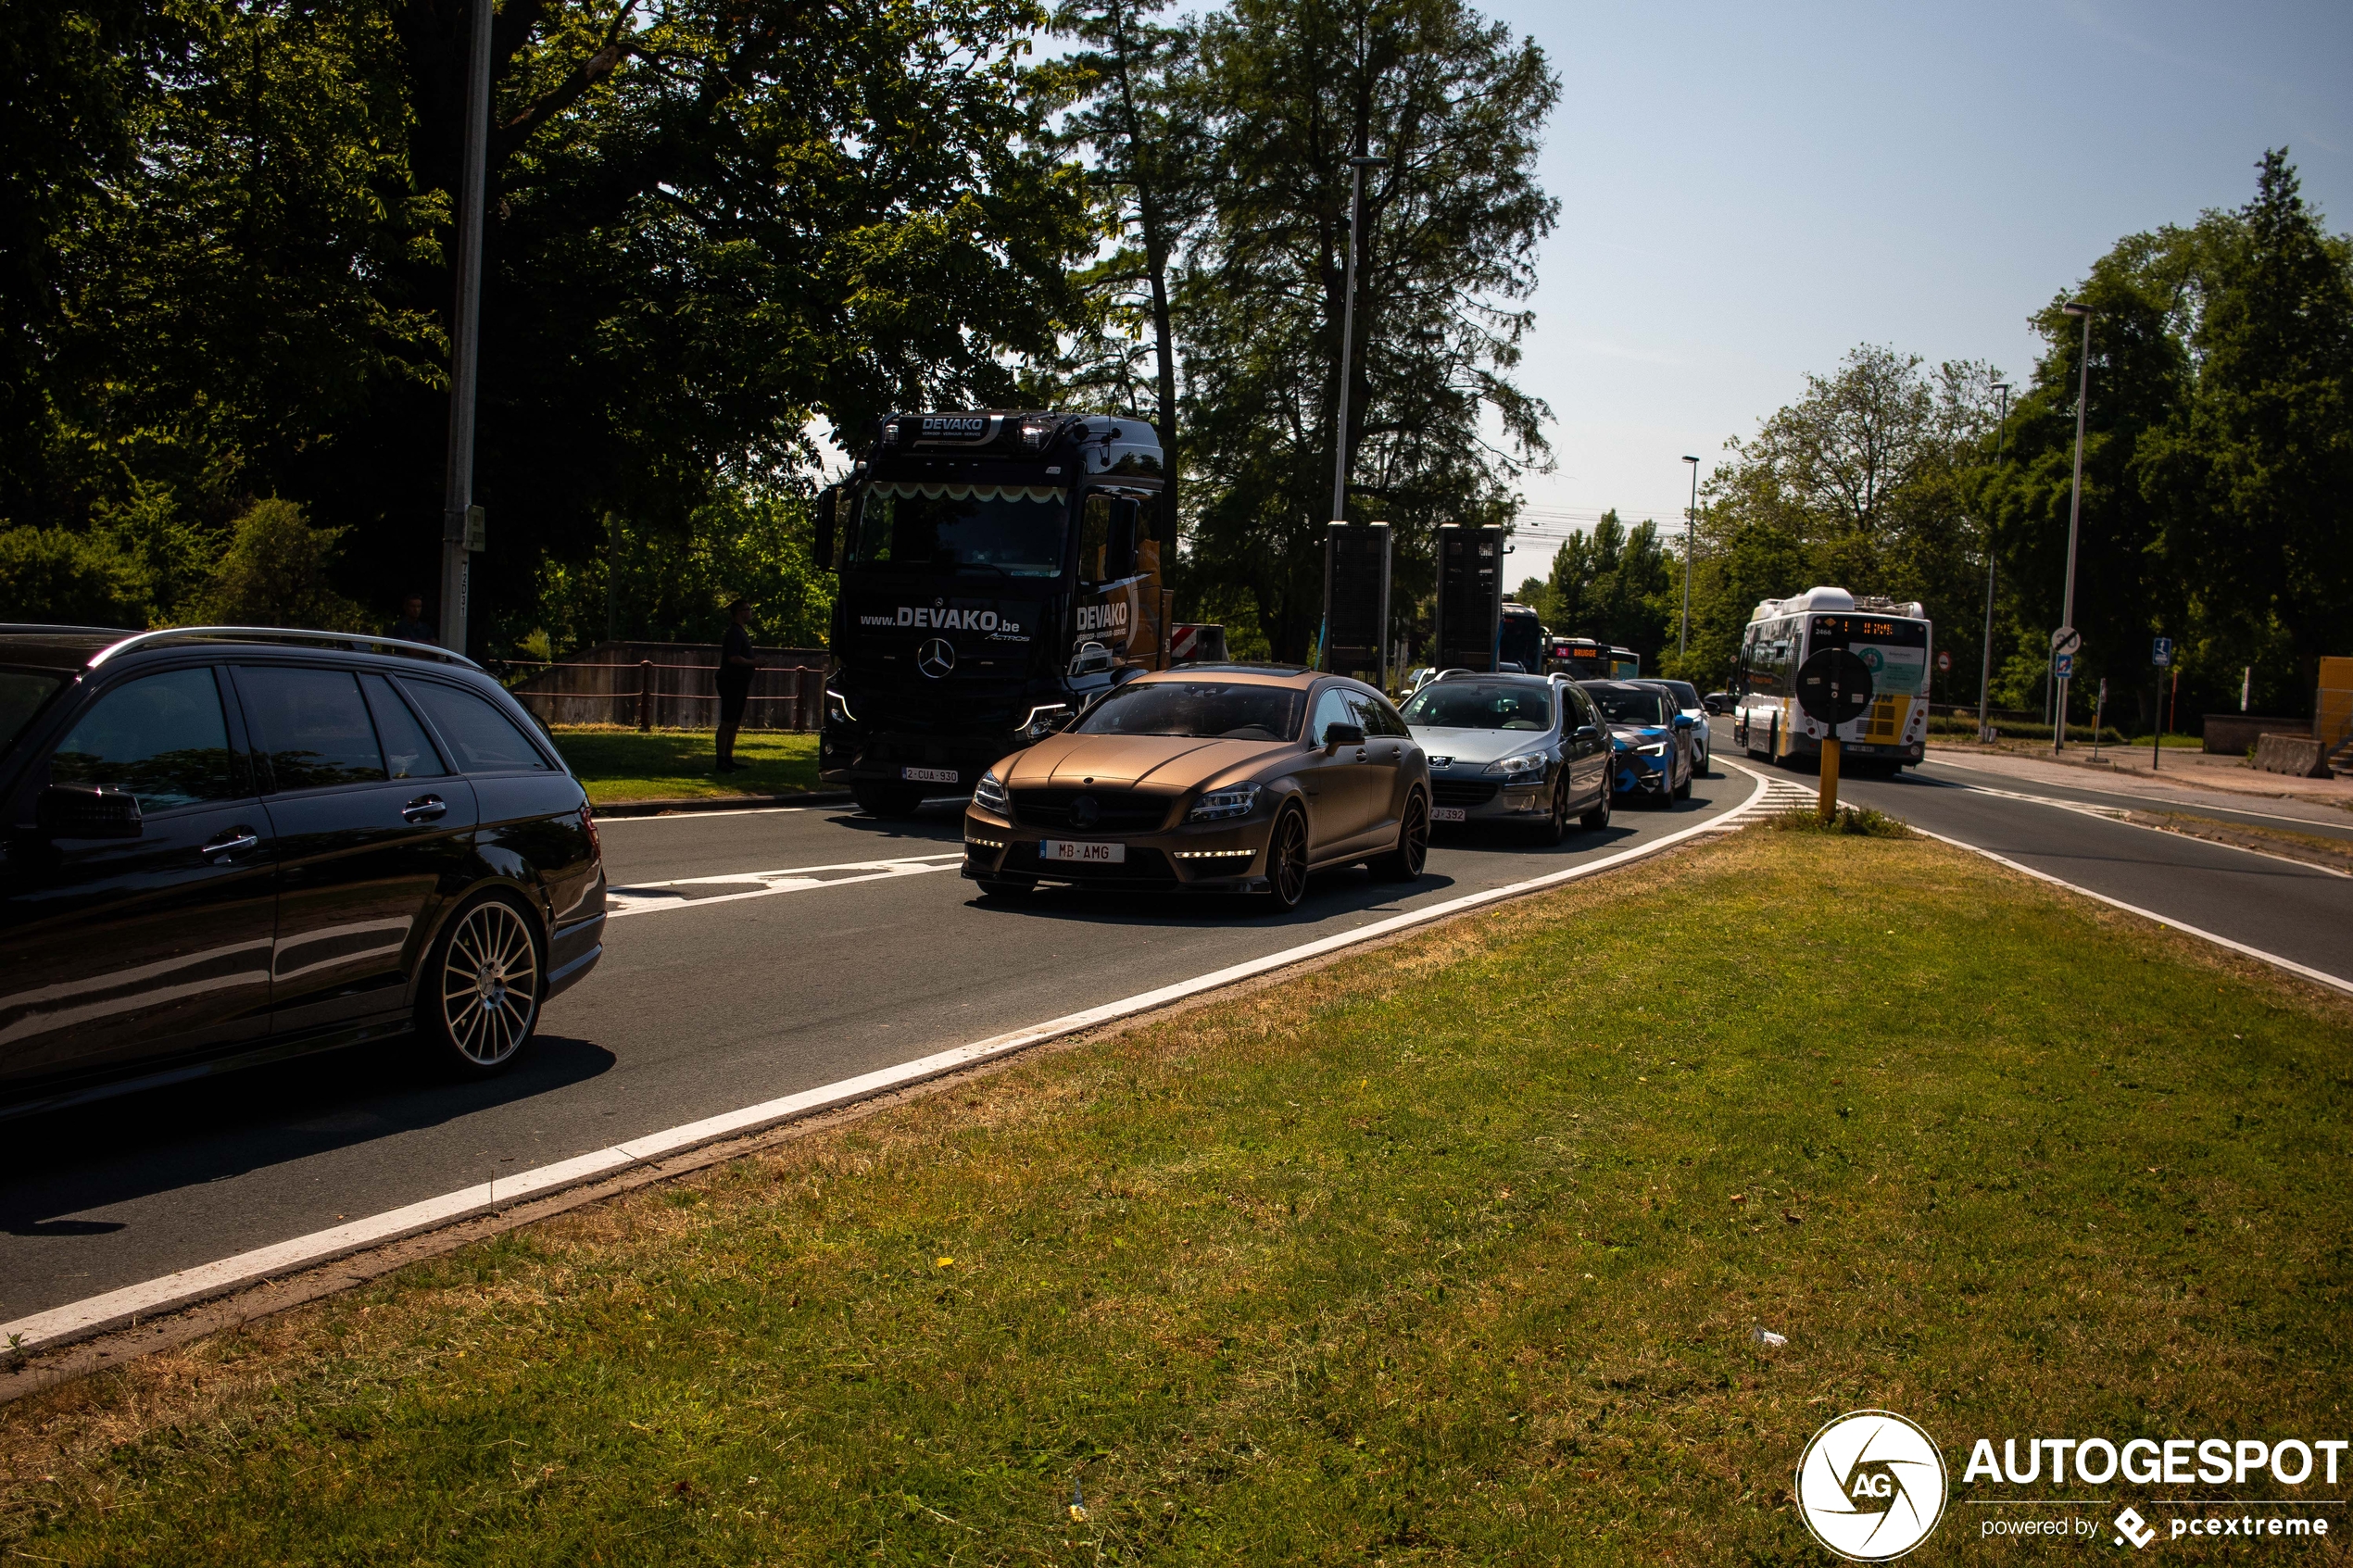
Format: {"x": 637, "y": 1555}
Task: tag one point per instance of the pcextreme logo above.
{"x": 1870, "y": 1486}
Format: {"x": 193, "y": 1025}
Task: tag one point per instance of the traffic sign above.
{"x": 1944, "y": 660}
{"x": 2066, "y": 639}
{"x": 2063, "y": 666}
{"x": 2163, "y": 654}
{"x": 1835, "y": 687}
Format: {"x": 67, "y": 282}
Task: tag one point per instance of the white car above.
{"x": 1687, "y": 701}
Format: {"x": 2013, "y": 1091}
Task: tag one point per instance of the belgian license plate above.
{"x": 1086, "y": 854}
{"x": 1449, "y": 814}
{"x": 928, "y": 775}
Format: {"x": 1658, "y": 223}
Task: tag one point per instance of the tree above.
{"x": 278, "y": 571}
{"x": 61, "y": 578}
{"x": 1290, "y": 89}
{"x": 1612, "y": 585}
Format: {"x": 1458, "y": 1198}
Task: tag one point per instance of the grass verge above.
{"x": 1448, "y": 1252}
{"x": 616, "y": 765}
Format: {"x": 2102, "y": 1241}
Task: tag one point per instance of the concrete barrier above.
{"x": 2229, "y": 734}
{"x": 2296, "y": 755}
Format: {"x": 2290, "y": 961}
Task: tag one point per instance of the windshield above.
{"x": 1014, "y": 530}
{"x": 1630, "y": 705}
{"x": 1196, "y": 708}
{"x": 21, "y": 695}
{"x": 1685, "y": 693}
{"x": 1481, "y": 704}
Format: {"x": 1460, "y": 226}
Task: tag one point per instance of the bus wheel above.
{"x": 1287, "y": 861}
{"x": 889, "y": 801}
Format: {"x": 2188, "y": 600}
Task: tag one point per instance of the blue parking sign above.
{"x": 2163, "y": 654}
{"x": 2063, "y": 666}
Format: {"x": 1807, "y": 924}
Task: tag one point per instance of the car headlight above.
{"x": 838, "y": 707}
{"x": 1656, "y": 748}
{"x": 1513, "y": 767}
{"x": 1043, "y": 722}
{"x": 989, "y": 794}
{"x": 1219, "y": 804}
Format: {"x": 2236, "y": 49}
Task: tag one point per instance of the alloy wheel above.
{"x": 1286, "y": 860}
{"x": 489, "y": 983}
{"x": 1412, "y": 839}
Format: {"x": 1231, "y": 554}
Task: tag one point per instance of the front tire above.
{"x": 1287, "y": 861}
{"x": 1404, "y": 863}
{"x": 478, "y": 999}
{"x": 889, "y": 801}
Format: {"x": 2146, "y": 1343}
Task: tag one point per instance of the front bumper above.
{"x": 847, "y": 757}
{"x": 1229, "y": 857}
{"x": 1488, "y": 798}
{"x": 1632, "y": 773}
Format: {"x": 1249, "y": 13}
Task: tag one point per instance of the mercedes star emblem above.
{"x": 935, "y": 658}
{"x": 1085, "y": 811}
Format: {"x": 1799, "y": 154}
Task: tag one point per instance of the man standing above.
{"x": 736, "y": 668}
{"x": 412, "y": 626}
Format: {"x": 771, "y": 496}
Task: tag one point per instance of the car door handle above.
{"x": 236, "y": 841}
{"x": 424, "y": 808}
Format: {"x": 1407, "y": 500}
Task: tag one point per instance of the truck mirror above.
{"x": 828, "y": 505}
{"x": 1119, "y": 552}
{"x": 1092, "y": 658}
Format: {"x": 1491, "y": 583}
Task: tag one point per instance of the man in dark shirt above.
{"x": 736, "y": 668}
{"x": 412, "y": 626}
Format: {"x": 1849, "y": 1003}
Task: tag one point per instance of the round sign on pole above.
{"x": 1944, "y": 660}
{"x": 2066, "y": 639}
{"x": 1834, "y": 687}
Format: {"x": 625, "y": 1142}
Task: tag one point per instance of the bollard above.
{"x": 645, "y": 695}
{"x": 1828, "y": 805}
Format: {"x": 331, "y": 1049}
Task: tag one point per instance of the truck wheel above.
{"x": 478, "y": 998}
{"x": 891, "y": 802}
{"x": 1404, "y": 863}
{"x": 1287, "y": 861}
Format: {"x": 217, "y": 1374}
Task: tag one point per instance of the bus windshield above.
{"x": 1481, "y": 704}
{"x": 1012, "y": 530}
{"x": 1196, "y": 708}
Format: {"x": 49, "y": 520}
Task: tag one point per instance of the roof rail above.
{"x": 351, "y": 641}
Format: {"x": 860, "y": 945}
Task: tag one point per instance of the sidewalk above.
{"x": 2187, "y": 778}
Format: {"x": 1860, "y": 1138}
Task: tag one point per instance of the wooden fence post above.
{"x": 645, "y": 695}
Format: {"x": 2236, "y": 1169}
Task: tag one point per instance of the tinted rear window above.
{"x": 313, "y": 726}
{"x": 486, "y": 740}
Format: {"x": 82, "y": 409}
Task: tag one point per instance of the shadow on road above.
{"x": 188, "y": 1135}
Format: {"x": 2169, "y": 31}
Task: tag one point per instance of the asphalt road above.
{"x": 2299, "y": 912}
{"x": 740, "y": 986}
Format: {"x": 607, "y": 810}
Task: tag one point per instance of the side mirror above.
{"x": 71, "y": 812}
{"x": 1685, "y": 722}
{"x": 1092, "y": 658}
{"x": 1119, "y": 548}
{"x": 829, "y": 501}
{"x": 1337, "y": 736}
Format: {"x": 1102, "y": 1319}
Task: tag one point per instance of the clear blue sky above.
{"x": 1747, "y": 191}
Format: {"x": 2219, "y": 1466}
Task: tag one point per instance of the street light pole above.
{"x": 1691, "y": 527}
{"x": 1356, "y": 167}
{"x": 2074, "y": 508}
{"x": 1985, "y": 674}
{"x": 465, "y": 339}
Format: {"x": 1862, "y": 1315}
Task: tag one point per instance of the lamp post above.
{"x": 1691, "y": 527}
{"x": 1356, "y": 167}
{"x": 2074, "y": 506}
{"x": 465, "y": 339}
{"x": 1985, "y": 674}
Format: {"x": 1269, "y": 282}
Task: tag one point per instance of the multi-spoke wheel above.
{"x": 1286, "y": 860}
{"x": 1404, "y": 863}
{"x": 480, "y": 995}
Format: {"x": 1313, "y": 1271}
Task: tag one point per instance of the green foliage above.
{"x": 1615, "y": 587}
{"x": 278, "y": 571}
{"x": 63, "y": 578}
{"x": 1848, "y": 822}
{"x": 673, "y": 585}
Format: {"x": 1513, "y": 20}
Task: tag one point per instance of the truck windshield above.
{"x": 1479, "y": 705}
{"x": 1010, "y": 529}
{"x": 1196, "y": 708}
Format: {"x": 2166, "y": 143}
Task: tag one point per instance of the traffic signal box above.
{"x": 1356, "y": 601}
{"x": 1470, "y": 597}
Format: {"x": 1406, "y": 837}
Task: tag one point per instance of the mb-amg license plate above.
{"x": 1089, "y": 854}
{"x": 928, "y": 775}
{"x": 1449, "y": 814}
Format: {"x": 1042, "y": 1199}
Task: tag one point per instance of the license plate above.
{"x": 1086, "y": 854}
{"x": 928, "y": 775}
{"x": 1449, "y": 814}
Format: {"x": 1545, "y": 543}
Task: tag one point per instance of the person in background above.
{"x": 412, "y": 626}
{"x": 736, "y": 668}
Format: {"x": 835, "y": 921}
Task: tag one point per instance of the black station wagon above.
{"x": 222, "y": 845}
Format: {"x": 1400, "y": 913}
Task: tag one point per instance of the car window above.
{"x": 486, "y": 740}
{"x": 312, "y": 726}
{"x": 21, "y": 693}
{"x": 160, "y": 738}
{"x": 1331, "y": 708}
{"x": 1686, "y": 695}
{"x": 1375, "y": 716}
{"x": 408, "y": 751}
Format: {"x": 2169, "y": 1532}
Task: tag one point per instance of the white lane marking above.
{"x": 2322, "y": 976}
{"x": 2149, "y": 800}
{"x": 647, "y": 897}
{"x": 93, "y": 1314}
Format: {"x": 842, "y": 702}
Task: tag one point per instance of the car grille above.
{"x": 1466, "y": 792}
{"x": 1118, "y": 811}
{"x": 1143, "y": 868}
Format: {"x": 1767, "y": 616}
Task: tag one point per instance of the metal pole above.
{"x": 465, "y": 340}
{"x": 1985, "y": 674}
{"x": 1356, "y": 167}
{"x": 2074, "y": 512}
{"x": 1690, "y": 527}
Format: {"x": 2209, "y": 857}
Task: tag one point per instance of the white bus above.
{"x": 1891, "y": 637}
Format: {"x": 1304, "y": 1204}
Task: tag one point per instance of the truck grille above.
{"x": 1116, "y": 810}
{"x": 1451, "y": 792}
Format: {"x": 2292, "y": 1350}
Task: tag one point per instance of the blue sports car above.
{"x": 1650, "y": 739}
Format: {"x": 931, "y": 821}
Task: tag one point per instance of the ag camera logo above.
{"x": 1870, "y": 1486}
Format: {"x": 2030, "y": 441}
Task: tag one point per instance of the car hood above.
{"x": 1175, "y": 763}
{"x": 1641, "y": 734}
{"x": 1478, "y": 746}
